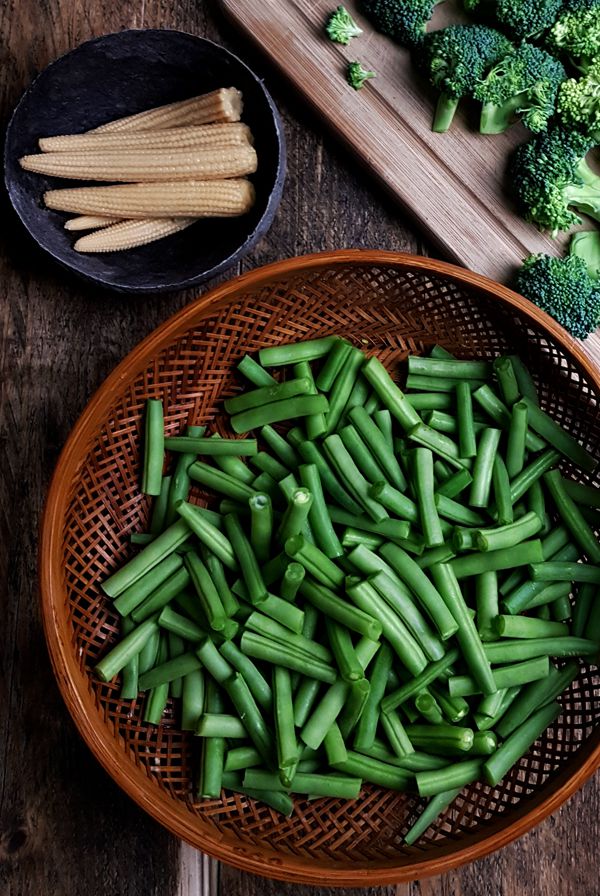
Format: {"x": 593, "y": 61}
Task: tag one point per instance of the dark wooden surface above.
{"x": 65, "y": 828}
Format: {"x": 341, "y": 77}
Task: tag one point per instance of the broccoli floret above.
{"x": 578, "y": 102}
{"x": 563, "y": 288}
{"x": 550, "y": 177}
{"x": 576, "y": 33}
{"x": 357, "y": 75}
{"x": 341, "y": 27}
{"x": 520, "y": 18}
{"x": 456, "y": 59}
{"x": 404, "y": 20}
{"x": 524, "y": 84}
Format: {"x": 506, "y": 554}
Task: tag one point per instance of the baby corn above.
{"x": 224, "y": 104}
{"x": 89, "y": 222}
{"x": 146, "y": 165}
{"x": 184, "y": 199}
{"x": 204, "y": 135}
{"x": 129, "y": 234}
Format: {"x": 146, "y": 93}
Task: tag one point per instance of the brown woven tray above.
{"x": 388, "y": 303}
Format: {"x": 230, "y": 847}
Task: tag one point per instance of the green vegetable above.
{"x": 356, "y": 75}
{"x": 341, "y": 27}
{"x": 576, "y": 33}
{"x": 520, "y": 18}
{"x": 404, "y": 20}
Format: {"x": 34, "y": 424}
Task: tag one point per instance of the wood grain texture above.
{"x": 65, "y": 828}
{"x": 454, "y": 183}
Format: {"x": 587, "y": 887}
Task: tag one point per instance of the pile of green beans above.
{"x": 393, "y": 586}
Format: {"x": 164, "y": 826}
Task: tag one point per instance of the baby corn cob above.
{"x": 129, "y": 234}
{"x": 89, "y": 222}
{"x": 224, "y": 104}
{"x": 184, "y": 199}
{"x": 146, "y": 165}
{"x": 204, "y": 135}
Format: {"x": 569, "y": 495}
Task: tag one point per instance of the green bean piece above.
{"x": 261, "y": 525}
{"x": 467, "y": 635}
{"x": 448, "y": 368}
{"x": 271, "y": 628}
{"x": 486, "y": 723}
{"x": 527, "y": 387}
{"x": 321, "y": 525}
{"x": 161, "y": 596}
{"x": 342, "y": 649}
{"x": 241, "y": 758}
{"x": 424, "y": 590}
{"x": 352, "y": 477}
{"x": 519, "y": 742}
{"x": 554, "y": 434}
{"x": 339, "y": 786}
{"x": 482, "y": 469}
{"x": 424, "y": 485}
{"x": 192, "y": 702}
{"x": 500, "y": 414}
{"x": 379, "y": 446}
{"x": 159, "y": 509}
{"x": 505, "y": 374}
{"x": 221, "y": 482}
{"x": 212, "y": 447}
{"x": 424, "y": 383}
{"x": 314, "y": 561}
{"x": 454, "y": 708}
{"x": 285, "y": 735}
{"x": 431, "y": 401}
{"x": 212, "y": 752}
{"x": 283, "y": 612}
{"x": 279, "y": 446}
{"x": 412, "y": 688}
{"x": 441, "y": 554}
{"x": 310, "y": 350}
{"x": 444, "y": 422}
{"x": 394, "y": 530}
{"x": 526, "y": 649}
{"x": 141, "y": 538}
{"x": 176, "y": 648}
{"x": 455, "y": 484}
{"x": 486, "y": 601}
{"x": 315, "y": 425}
{"x": 396, "y": 734}
{"x": 588, "y": 495}
{"x": 528, "y": 627}
{"x": 342, "y": 387}
{"x": 526, "y": 593}
{"x": 253, "y": 371}
{"x": 292, "y": 579}
{"x": 443, "y": 472}
{"x": 394, "y": 500}
{"x": 457, "y": 513}
{"x": 257, "y": 398}
{"x": 208, "y": 534}
{"x": 130, "y": 672}
{"x": 296, "y": 515}
{"x": 399, "y": 598}
{"x": 258, "y": 685}
{"x": 459, "y": 774}
{"x": 276, "y": 411}
{"x": 552, "y": 571}
{"x": 464, "y": 416}
{"x": 248, "y": 711}
{"x": 412, "y": 762}
{"x": 395, "y": 631}
{"x": 434, "y": 808}
{"x": 572, "y": 516}
{"x": 438, "y": 351}
{"x": 506, "y": 558}
{"x": 154, "y": 447}
{"x": 132, "y": 596}
{"x": 335, "y": 747}
{"x": 463, "y": 539}
{"x": 546, "y": 595}
{"x": 375, "y": 771}
{"x": 158, "y": 550}
{"x": 583, "y": 605}
{"x": 325, "y": 714}
{"x": 206, "y": 591}
{"x": 517, "y": 432}
{"x": 427, "y": 706}
{"x": 334, "y": 362}
{"x": 354, "y": 706}
{"x": 532, "y": 472}
{"x": 367, "y": 725}
{"x": 280, "y": 802}
{"x": 275, "y": 568}
{"x": 535, "y": 695}
{"x": 485, "y": 743}
{"x": 392, "y": 397}
{"x": 248, "y": 563}
{"x": 217, "y": 574}
{"x": 156, "y": 700}
{"x": 438, "y": 443}
{"x": 489, "y": 706}
{"x": 304, "y": 700}
{"x": 505, "y": 677}
{"x": 269, "y": 465}
{"x": 312, "y": 454}
{"x": 286, "y": 655}
{"x": 445, "y": 739}
{"x": 173, "y": 621}
{"x": 180, "y": 481}
{"x": 384, "y": 423}
{"x": 121, "y": 654}
{"x": 220, "y": 725}
{"x": 149, "y": 652}
{"x": 361, "y": 453}
{"x": 505, "y": 513}
{"x": 510, "y": 535}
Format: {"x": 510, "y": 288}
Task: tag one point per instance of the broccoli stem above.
{"x": 588, "y": 176}
{"x": 584, "y": 197}
{"x": 586, "y": 244}
{"x": 496, "y": 119}
{"x": 444, "y": 113}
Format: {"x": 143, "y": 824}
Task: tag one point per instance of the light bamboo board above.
{"x": 453, "y": 184}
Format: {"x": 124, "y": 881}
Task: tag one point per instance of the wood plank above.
{"x": 453, "y": 183}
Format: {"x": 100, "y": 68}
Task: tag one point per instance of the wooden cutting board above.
{"x": 453, "y": 183}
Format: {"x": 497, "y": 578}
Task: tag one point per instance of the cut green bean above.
{"x": 314, "y": 561}
{"x": 505, "y": 677}
{"x": 354, "y": 706}
{"x": 269, "y": 465}
{"x": 241, "y": 758}
{"x": 257, "y": 398}
{"x": 334, "y": 362}
{"x": 261, "y": 525}
{"x": 156, "y": 700}
{"x": 536, "y": 695}
{"x": 457, "y": 513}
{"x": 413, "y": 687}
{"x": 325, "y": 535}
{"x": 276, "y": 653}
{"x": 399, "y": 598}
{"x": 310, "y": 350}
{"x": 276, "y": 411}
{"x": 572, "y": 516}
{"x": 509, "y": 387}
{"x": 149, "y": 653}
{"x": 552, "y": 571}
{"x": 531, "y": 473}
{"x": 486, "y": 600}
{"x": 342, "y": 649}
{"x": 554, "y": 434}
{"x": 206, "y": 591}
{"x": 518, "y": 743}
{"x": 248, "y": 711}
{"x": 384, "y": 423}
{"x": 279, "y": 446}
{"x": 258, "y": 685}
{"x": 427, "y": 706}
{"x": 335, "y": 747}
{"x": 424, "y": 485}
{"x": 137, "y": 593}
{"x": 154, "y": 447}
{"x": 342, "y": 387}
{"x": 485, "y": 743}
{"x": 254, "y": 372}
{"x": 438, "y": 443}
{"x": 467, "y": 445}
{"x": 285, "y": 736}
{"x": 431, "y": 401}
{"x": 506, "y": 558}
{"x": 517, "y": 433}
{"x": 525, "y": 649}
{"x": 445, "y": 739}
{"x": 500, "y": 414}
{"x": 192, "y": 703}
{"x": 446, "y": 368}
{"x": 510, "y": 535}
{"x": 583, "y": 604}
{"x": 159, "y": 509}
{"x": 212, "y": 447}
{"x": 588, "y": 495}
{"x": 352, "y": 477}
{"x": 220, "y": 725}
{"x": 367, "y": 725}
{"x": 376, "y": 772}
{"x": 394, "y": 530}
{"x": 482, "y": 469}
{"x": 436, "y": 806}
{"x": 130, "y": 672}
{"x": 455, "y": 484}
{"x": 528, "y": 627}
{"x": 208, "y": 534}
{"x": 248, "y": 563}
{"x": 304, "y": 700}
{"x": 396, "y": 734}
{"x": 292, "y": 579}
{"x": 394, "y": 500}
{"x": 118, "y": 657}
{"x": 421, "y": 382}
{"x": 180, "y": 481}
{"x": 325, "y": 714}
{"x": 391, "y": 396}
{"x": 296, "y": 514}
{"x": 340, "y": 610}
{"x": 170, "y": 670}
{"x": 527, "y": 387}
{"x": 312, "y": 454}
{"x": 159, "y": 549}
{"x": 379, "y": 447}
{"x": 447, "y": 779}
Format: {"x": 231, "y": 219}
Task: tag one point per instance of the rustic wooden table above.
{"x": 65, "y": 828}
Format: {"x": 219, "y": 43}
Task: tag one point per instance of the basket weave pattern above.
{"x": 383, "y": 307}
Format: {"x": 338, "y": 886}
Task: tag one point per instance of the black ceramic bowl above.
{"x": 118, "y": 75}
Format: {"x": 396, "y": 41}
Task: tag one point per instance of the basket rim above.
{"x": 75, "y": 689}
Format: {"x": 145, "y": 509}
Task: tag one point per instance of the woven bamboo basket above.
{"x": 386, "y": 303}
